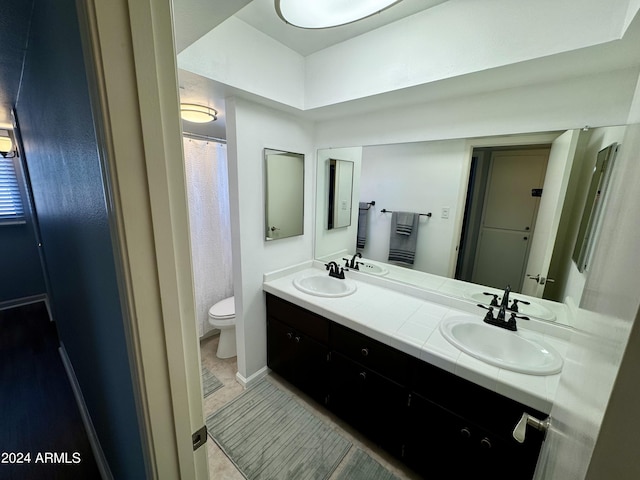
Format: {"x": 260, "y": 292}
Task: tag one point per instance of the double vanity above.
{"x": 416, "y": 370}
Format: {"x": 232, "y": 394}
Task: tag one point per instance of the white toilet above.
{"x": 223, "y": 317}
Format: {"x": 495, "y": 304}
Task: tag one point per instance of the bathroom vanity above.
{"x": 418, "y": 407}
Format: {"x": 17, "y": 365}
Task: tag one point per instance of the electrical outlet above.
{"x": 445, "y": 212}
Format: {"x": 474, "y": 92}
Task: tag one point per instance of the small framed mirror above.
{"x": 340, "y": 193}
{"x": 284, "y": 194}
{"x": 587, "y": 233}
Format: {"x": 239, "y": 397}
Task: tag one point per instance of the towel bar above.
{"x": 384, "y": 210}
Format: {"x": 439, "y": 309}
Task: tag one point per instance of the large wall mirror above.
{"x": 284, "y": 194}
{"x": 340, "y": 176}
{"x": 435, "y": 176}
{"x": 593, "y": 206}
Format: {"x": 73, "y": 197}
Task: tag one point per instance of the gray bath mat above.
{"x": 362, "y": 467}
{"x": 267, "y": 434}
{"x": 210, "y": 382}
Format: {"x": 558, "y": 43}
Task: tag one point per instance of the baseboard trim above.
{"x": 247, "y": 382}
{"x": 103, "y": 466}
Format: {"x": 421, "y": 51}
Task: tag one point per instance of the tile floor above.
{"x": 221, "y": 468}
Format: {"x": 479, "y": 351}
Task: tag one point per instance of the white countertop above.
{"x": 407, "y": 318}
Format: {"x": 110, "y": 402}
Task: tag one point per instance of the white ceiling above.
{"x": 262, "y": 16}
{"x": 195, "y": 18}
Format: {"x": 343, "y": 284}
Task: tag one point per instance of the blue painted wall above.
{"x": 61, "y": 150}
{"x": 20, "y": 261}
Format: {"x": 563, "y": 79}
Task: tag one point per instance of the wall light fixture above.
{"x": 6, "y": 143}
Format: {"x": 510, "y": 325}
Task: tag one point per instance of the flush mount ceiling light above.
{"x": 197, "y": 113}
{"x": 328, "y": 13}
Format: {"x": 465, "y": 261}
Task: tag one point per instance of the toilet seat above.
{"x": 223, "y": 310}
{"x": 223, "y": 317}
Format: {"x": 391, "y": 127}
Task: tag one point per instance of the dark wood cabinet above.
{"x": 295, "y": 355}
{"x": 433, "y": 420}
{"x": 479, "y": 425}
{"x": 373, "y": 404}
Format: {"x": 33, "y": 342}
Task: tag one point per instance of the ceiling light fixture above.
{"x": 328, "y": 13}
{"x": 197, "y": 113}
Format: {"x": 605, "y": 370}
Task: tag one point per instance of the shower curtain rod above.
{"x": 197, "y": 136}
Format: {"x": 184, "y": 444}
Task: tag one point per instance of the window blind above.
{"x": 10, "y": 199}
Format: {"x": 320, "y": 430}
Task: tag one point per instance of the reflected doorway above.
{"x": 503, "y": 195}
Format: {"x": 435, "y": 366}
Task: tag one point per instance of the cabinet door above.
{"x": 297, "y": 358}
{"x": 370, "y": 402}
{"x": 440, "y": 440}
{"x": 437, "y": 440}
{"x": 281, "y": 349}
{"x": 311, "y": 367}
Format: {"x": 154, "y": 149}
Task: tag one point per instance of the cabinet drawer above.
{"x": 302, "y": 320}
{"x": 488, "y": 409}
{"x": 377, "y": 356}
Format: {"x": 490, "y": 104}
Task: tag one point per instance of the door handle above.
{"x": 541, "y": 280}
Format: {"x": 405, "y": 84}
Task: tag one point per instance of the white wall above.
{"x": 595, "y": 100}
{"x": 251, "y": 129}
{"x": 242, "y": 57}
{"x": 451, "y": 40}
{"x": 456, "y": 38}
{"x": 338, "y": 239}
{"x": 634, "y": 111}
{"x": 415, "y": 177}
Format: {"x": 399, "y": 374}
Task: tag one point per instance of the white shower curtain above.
{"x": 209, "y": 225}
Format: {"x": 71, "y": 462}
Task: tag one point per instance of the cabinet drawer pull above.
{"x": 465, "y": 433}
{"x": 297, "y": 339}
{"x": 364, "y": 352}
{"x": 485, "y": 443}
{"x": 363, "y": 375}
{"x": 289, "y": 335}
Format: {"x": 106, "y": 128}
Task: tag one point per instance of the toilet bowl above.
{"x": 223, "y": 317}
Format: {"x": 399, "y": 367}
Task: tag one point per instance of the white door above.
{"x": 556, "y": 180}
{"x": 508, "y": 217}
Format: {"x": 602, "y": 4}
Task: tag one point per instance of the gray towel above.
{"x": 404, "y": 225}
{"x": 402, "y": 247}
{"x": 362, "y": 224}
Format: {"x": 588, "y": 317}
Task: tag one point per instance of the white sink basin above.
{"x": 532, "y": 310}
{"x": 324, "y": 286}
{"x": 501, "y": 347}
{"x": 372, "y": 269}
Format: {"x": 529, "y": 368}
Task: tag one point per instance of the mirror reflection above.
{"x": 506, "y": 210}
{"x": 340, "y": 193}
{"x": 284, "y": 194}
{"x": 593, "y": 206}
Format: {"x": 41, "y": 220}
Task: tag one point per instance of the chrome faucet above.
{"x": 334, "y": 270}
{"x": 352, "y": 263}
